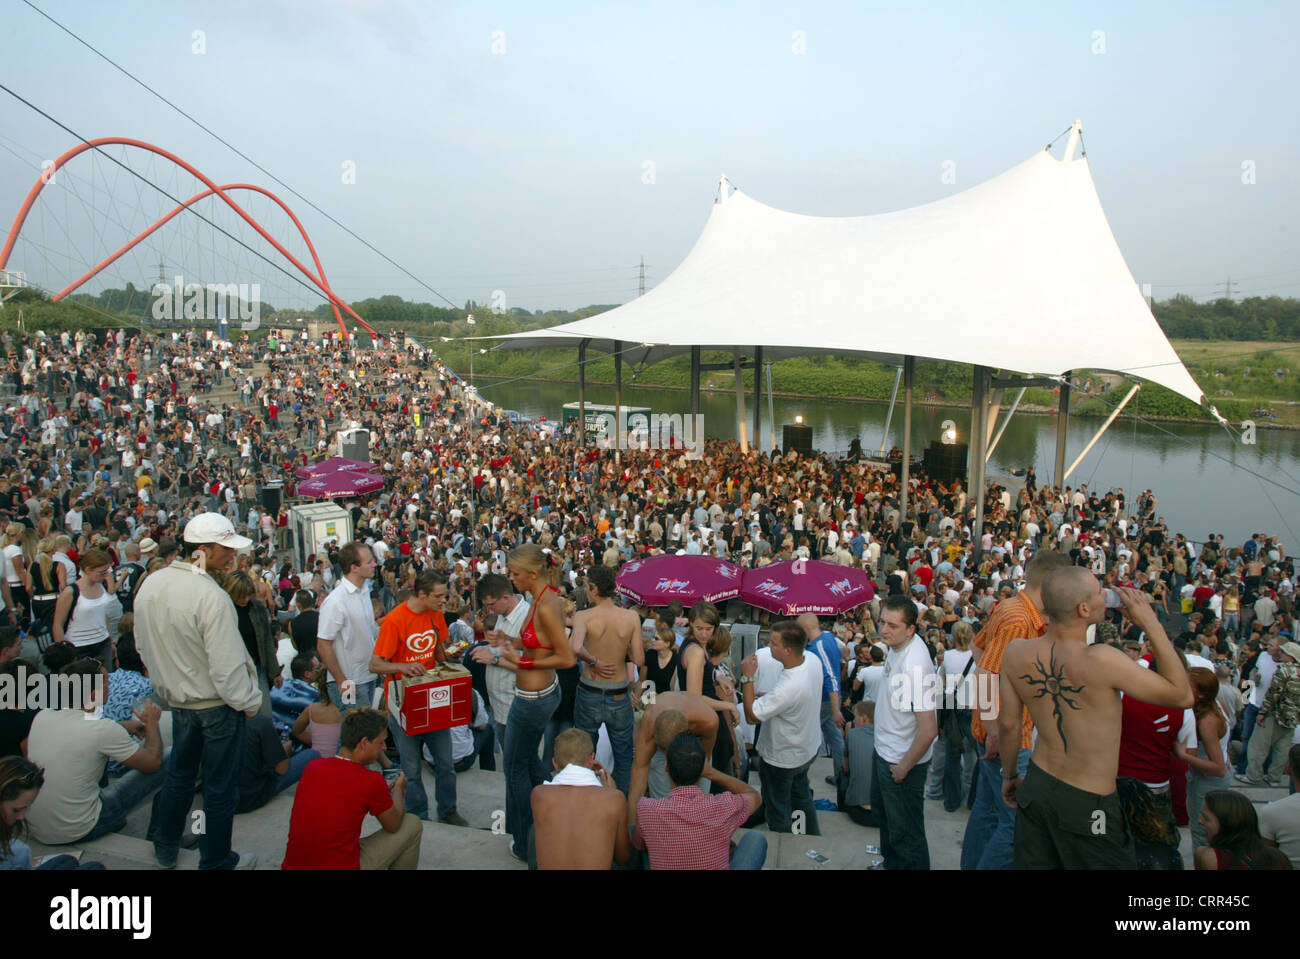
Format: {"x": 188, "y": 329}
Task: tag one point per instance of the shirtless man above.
{"x": 1070, "y": 815}
{"x": 579, "y": 817}
{"x": 668, "y": 716}
{"x": 608, "y": 641}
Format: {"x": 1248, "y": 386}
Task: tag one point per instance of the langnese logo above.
{"x": 78, "y": 913}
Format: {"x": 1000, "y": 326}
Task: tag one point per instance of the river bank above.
{"x": 1026, "y": 408}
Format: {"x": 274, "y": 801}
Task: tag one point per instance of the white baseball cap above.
{"x": 214, "y": 528}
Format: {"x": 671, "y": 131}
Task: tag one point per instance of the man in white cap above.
{"x": 187, "y": 632}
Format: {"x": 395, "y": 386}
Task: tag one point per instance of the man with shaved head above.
{"x": 991, "y": 828}
{"x": 1069, "y": 814}
{"x": 668, "y": 716}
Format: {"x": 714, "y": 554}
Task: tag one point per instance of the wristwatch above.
{"x": 1014, "y": 775}
{"x": 496, "y": 657}
{"x": 746, "y": 680}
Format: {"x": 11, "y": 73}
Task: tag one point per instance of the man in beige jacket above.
{"x": 187, "y": 632}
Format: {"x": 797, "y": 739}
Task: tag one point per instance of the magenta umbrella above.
{"x": 806, "y": 586}
{"x": 336, "y": 464}
{"x": 658, "y": 580}
{"x": 340, "y": 484}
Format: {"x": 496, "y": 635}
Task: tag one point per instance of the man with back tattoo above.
{"x": 1070, "y": 815}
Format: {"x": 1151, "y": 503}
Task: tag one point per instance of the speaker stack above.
{"x": 798, "y": 437}
{"x": 946, "y": 462}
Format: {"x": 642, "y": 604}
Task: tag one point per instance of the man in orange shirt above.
{"x": 991, "y": 828}
{"x": 410, "y": 643}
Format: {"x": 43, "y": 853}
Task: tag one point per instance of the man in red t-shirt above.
{"x": 334, "y": 796}
{"x": 410, "y": 643}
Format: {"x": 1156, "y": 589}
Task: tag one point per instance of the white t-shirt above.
{"x": 954, "y": 661}
{"x": 500, "y": 681}
{"x": 871, "y": 677}
{"x": 73, "y": 747}
{"x": 347, "y": 619}
{"x": 791, "y": 716}
{"x": 903, "y": 695}
{"x": 1279, "y": 822}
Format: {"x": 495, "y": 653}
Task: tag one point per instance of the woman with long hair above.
{"x": 81, "y": 612}
{"x": 1232, "y": 830}
{"x": 21, "y": 781}
{"x": 541, "y": 648}
{"x": 256, "y": 631}
{"x": 1208, "y": 766}
{"x": 15, "y": 576}
{"x": 694, "y": 672}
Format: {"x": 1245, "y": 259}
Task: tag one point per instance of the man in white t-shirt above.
{"x": 496, "y": 595}
{"x": 906, "y": 728}
{"x": 1279, "y": 821}
{"x": 790, "y": 737}
{"x": 347, "y": 630}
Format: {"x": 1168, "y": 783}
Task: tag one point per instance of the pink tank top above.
{"x": 325, "y": 737}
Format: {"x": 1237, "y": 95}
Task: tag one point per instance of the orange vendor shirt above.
{"x": 407, "y": 637}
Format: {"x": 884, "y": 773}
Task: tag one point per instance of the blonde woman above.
{"x": 45, "y": 582}
{"x": 958, "y": 682}
{"x": 67, "y": 569}
{"x": 15, "y": 576}
{"x": 541, "y": 649}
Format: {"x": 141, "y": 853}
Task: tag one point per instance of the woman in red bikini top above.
{"x": 543, "y": 646}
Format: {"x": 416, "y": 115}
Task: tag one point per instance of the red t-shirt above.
{"x": 1147, "y": 738}
{"x": 333, "y": 798}
{"x": 407, "y": 637}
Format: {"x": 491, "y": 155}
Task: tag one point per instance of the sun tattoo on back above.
{"x": 1051, "y": 682}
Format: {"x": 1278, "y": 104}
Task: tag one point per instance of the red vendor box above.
{"x": 440, "y": 699}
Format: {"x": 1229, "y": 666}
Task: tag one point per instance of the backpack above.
{"x": 43, "y": 629}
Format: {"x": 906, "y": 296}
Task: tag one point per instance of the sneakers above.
{"x": 830, "y": 780}
{"x": 454, "y": 818}
{"x": 1249, "y": 782}
{"x": 1270, "y": 780}
{"x": 163, "y": 863}
{"x": 247, "y": 860}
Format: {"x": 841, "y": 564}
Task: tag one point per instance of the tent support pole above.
{"x": 909, "y": 374}
{"x": 695, "y": 380}
{"x": 1104, "y": 427}
{"x": 582, "y": 393}
{"x": 978, "y": 442}
{"x": 1007, "y": 419}
{"x": 889, "y": 416}
{"x": 758, "y": 395}
{"x": 771, "y": 417}
{"x": 741, "y": 433}
{"x": 618, "y": 394}
{"x": 1062, "y": 426}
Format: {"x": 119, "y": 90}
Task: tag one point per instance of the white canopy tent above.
{"x": 1020, "y": 273}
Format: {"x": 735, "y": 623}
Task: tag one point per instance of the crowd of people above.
{"x": 143, "y": 555}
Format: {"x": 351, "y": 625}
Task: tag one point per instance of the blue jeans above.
{"x": 117, "y": 801}
{"x": 785, "y": 790}
{"x": 296, "y": 765}
{"x": 214, "y": 740}
{"x": 525, "y": 727}
{"x": 899, "y": 809}
{"x": 554, "y": 726}
{"x": 590, "y": 709}
{"x": 961, "y": 766}
{"x": 834, "y": 738}
{"x": 365, "y": 696}
{"x": 444, "y": 773}
{"x": 1248, "y": 718}
{"x": 750, "y": 853}
{"x": 991, "y": 828}
{"x": 484, "y": 751}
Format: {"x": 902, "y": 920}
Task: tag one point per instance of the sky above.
{"x": 543, "y": 150}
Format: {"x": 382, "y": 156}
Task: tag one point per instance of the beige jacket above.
{"x": 187, "y": 632}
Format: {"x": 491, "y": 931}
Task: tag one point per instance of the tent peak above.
{"x": 725, "y": 189}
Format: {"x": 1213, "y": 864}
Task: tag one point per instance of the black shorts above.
{"x": 1061, "y": 827}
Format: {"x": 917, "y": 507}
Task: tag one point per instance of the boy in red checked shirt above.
{"x": 410, "y": 643}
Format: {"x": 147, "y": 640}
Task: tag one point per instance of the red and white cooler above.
{"x": 440, "y": 699}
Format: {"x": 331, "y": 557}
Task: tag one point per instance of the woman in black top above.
{"x": 661, "y": 663}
